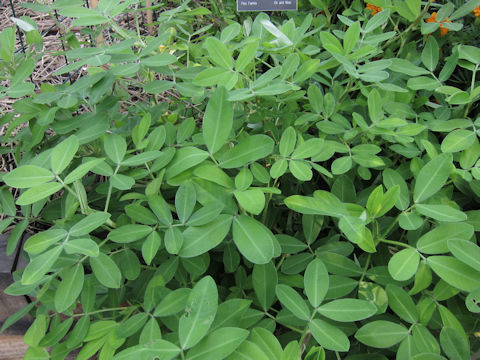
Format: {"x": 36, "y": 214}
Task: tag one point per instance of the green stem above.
{"x": 398, "y": 243}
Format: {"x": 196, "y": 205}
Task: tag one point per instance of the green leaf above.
{"x": 12, "y": 319}
{"x": 264, "y": 281}
{"x": 185, "y": 200}
{"x": 301, "y": 170}
{"x": 173, "y": 302}
{"x": 158, "y": 86}
{"x": 453, "y": 344}
{"x": 441, "y": 212}
{"x": 436, "y": 240}
{"x": 81, "y": 170}
{"x": 69, "y": 288}
{"x": 347, "y": 310}
{"x": 173, "y": 240}
{"x": 267, "y": 342}
{"x": 253, "y": 239}
{"x": 353, "y": 228}
{"x": 381, "y": 334}
{"x": 351, "y": 37}
{"x": 84, "y": 246}
{"x": 218, "y": 53}
{"x": 430, "y": 54}
{"x": 115, "y": 147}
{"x": 252, "y": 200}
{"x": 329, "y": 336}
{"x": 140, "y": 214}
{"x": 88, "y": 224}
{"x": 246, "y": 56}
{"x": 106, "y": 271}
{"x": 27, "y": 176}
{"x": 341, "y": 165}
{"x": 40, "y": 265}
{"x": 129, "y": 233}
{"x": 199, "y": 313}
{"x": 432, "y": 177}
{"x": 63, "y": 153}
{"x": 316, "y": 282}
{"x": 218, "y": 344}
{"x": 162, "y": 59}
{"x": 249, "y": 149}
{"x": 465, "y": 251}
{"x": 150, "y": 246}
{"x": 7, "y": 43}
{"x": 403, "y": 265}
{"x": 38, "y": 192}
{"x": 205, "y": 214}
{"x": 401, "y": 303}
{"x": 184, "y": 159}
{"x": 132, "y": 325}
{"x": 41, "y": 241}
{"x": 198, "y": 240}
{"x": 455, "y": 272}
{"x": 292, "y": 301}
{"x": 458, "y": 140}
{"x": 158, "y": 349}
{"x": 323, "y": 203}
{"x": 287, "y": 141}
{"x": 465, "y": 9}
{"x": 377, "y": 20}
{"x": 217, "y": 121}
{"x": 248, "y": 351}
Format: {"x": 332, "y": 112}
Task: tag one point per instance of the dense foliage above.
{"x": 245, "y": 186}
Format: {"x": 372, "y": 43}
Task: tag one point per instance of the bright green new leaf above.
{"x": 323, "y": 203}
{"x": 329, "y": 336}
{"x": 199, "y": 313}
{"x": 217, "y": 121}
{"x": 316, "y": 282}
{"x": 253, "y": 239}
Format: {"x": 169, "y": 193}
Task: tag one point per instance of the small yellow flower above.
{"x": 476, "y": 11}
{"x": 373, "y": 8}
{"x": 161, "y": 48}
{"x": 433, "y": 18}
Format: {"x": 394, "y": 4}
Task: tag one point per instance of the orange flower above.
{"x": 476, "y": 11}
{"x": 433, "y": 18}
{"x": 373, "y": 8}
